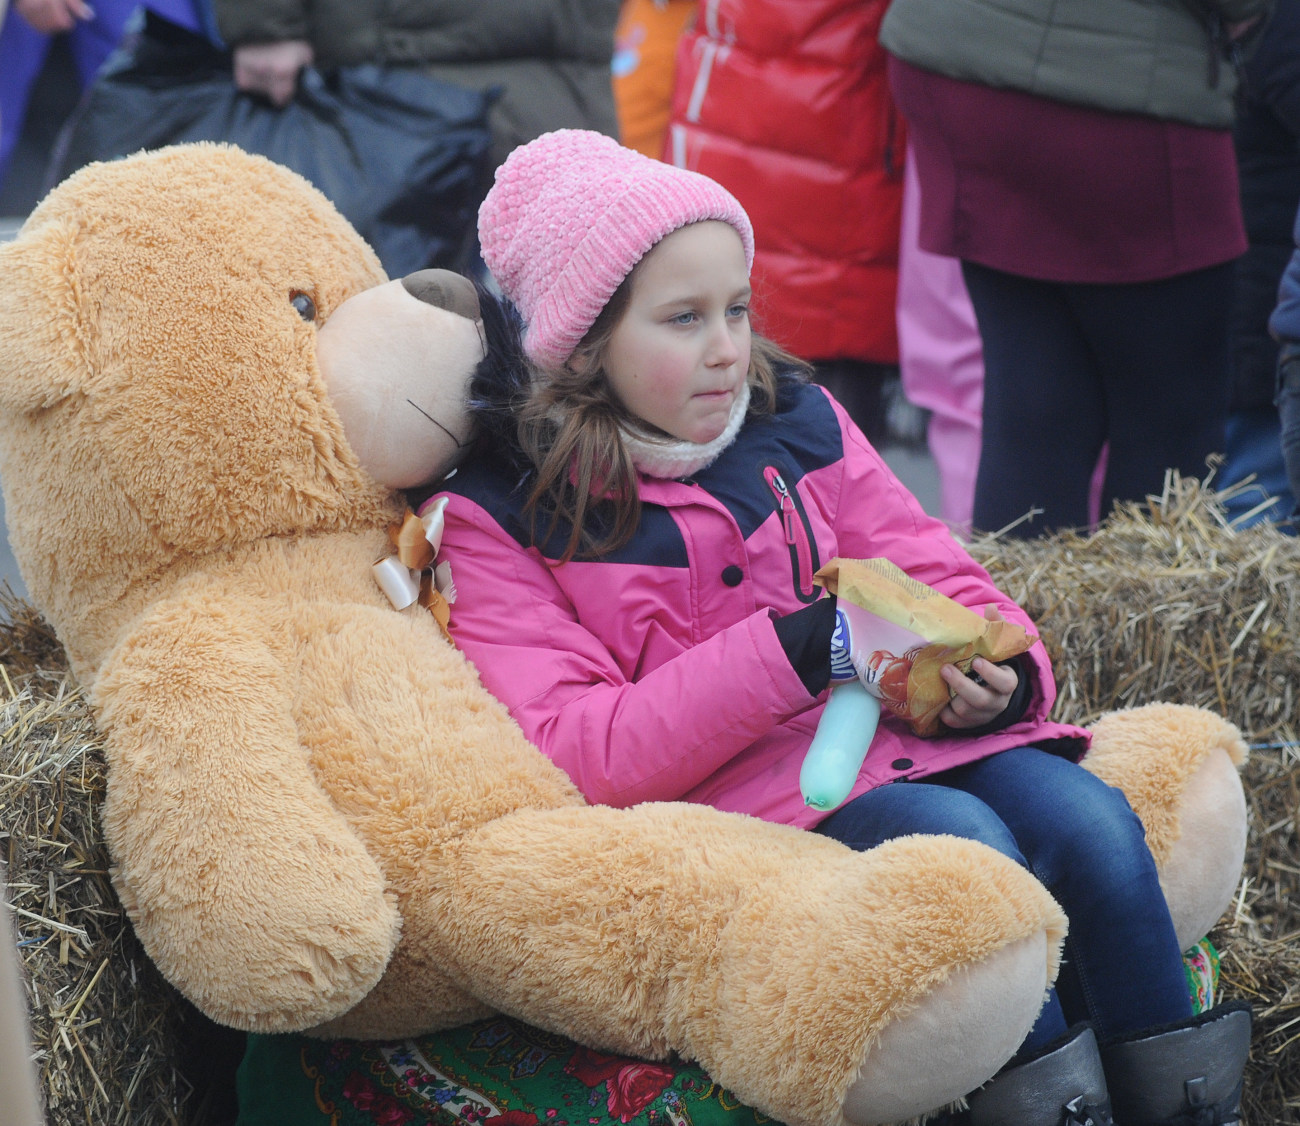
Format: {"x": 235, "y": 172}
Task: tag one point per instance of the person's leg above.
{"x": 1253, "y": 446}
{"x": 1160, "y": 1064}
{"x": 1162, "y": 350}
{"x": 1056, "y": 1075}
{"x": 858, "y": 387}
{"x": 1123, "y": 969}
{"x": 887, "y": 812}
{"x": 1044, "y": 418}
{"x": 955, "y": 446}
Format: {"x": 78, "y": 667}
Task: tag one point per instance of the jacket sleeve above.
{"x": 621, "y": 740}
{"x": 876, "y": 516}
{"x": 1284, "y": 324}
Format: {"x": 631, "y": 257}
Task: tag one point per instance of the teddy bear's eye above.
{"x": 303, "y": 303}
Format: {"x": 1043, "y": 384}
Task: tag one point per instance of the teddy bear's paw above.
{"x": 299, "y": 985}
{"x": 310, "y": 982}
{"x": 954, "y": 1039}
{"x": 277, "y": 962}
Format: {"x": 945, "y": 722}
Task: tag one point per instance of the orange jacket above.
{"x": 645, "y": 62}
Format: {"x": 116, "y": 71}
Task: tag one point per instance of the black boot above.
{"x": 1187, "y": 1074}
{"x": 1062, "y": 1086}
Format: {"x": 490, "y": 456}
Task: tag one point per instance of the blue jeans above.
{"x": 1254, "y": 445}
{"x": 1122, "y": 969}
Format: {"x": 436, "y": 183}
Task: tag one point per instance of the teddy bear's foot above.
{"x": 1202, "y": 869}
{"x": 1178, "y": 766}
{"x": 958, "y": 1036}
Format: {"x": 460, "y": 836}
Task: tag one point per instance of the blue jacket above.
{"x": 1284, "y": 324}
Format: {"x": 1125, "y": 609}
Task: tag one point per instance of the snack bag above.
{"x": 896, "y": 633}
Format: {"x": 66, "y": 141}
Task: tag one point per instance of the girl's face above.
{"x": 680, "y": 354}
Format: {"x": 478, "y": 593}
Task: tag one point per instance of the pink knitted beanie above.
{"x": 568, "y": 217}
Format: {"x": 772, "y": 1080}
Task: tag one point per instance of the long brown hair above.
{"x": 570, "y": 427}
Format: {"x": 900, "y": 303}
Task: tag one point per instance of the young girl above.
{"x": 635, "y": 583}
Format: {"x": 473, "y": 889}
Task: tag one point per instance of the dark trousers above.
{"x": 1122, "y": 969}
{"x": 1142, "y": 368}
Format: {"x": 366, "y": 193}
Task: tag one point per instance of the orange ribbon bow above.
{"x": 412, "y": 573}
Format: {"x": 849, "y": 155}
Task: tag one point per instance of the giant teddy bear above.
{"x": 320, "y": 820}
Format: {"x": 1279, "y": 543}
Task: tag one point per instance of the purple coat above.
{"x": 655, "y": 673}
{"x": 1066, "y": 193}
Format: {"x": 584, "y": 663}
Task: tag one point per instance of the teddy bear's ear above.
{"x": 42, "y": 343}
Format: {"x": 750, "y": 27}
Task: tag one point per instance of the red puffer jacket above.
{"x": 786, "y": 103}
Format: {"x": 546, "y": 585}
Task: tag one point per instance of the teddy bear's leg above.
{"x": 223, "y": 841}
{"x": 802, "y": 975}
{"x": 1199, "y": 878}
{"x": 1178, "y": 766}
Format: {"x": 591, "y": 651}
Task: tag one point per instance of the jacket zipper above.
{"x": 794, "y": 525}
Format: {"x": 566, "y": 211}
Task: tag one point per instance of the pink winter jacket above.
{"x": 655, "y": 673}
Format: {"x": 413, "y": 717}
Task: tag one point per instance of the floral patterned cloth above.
{"x": 1201, "y": 964}
{"x": 499, "y": 1072}
{"x": 496, "y": 1070}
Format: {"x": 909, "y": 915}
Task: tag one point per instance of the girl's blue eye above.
{"x": 684, "y": 319}
{"x": 738, "y": 311}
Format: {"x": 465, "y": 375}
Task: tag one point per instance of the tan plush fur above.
{"x": 1150, "y": 753}
{"x": 319, "y": 819}
{"x": 1178, "y": 767}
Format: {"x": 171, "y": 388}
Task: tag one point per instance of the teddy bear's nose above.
{"x": 446, "y": 289}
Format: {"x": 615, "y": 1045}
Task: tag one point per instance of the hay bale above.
{"x": 1163, "y": 602}
{"x": 104, "y": 1024}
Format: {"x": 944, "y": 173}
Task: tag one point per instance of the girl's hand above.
{"x": 977, "y": 702}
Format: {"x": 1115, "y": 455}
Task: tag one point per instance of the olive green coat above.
{"x": 1166, "y": 58}
{"x": 550, "y": 58}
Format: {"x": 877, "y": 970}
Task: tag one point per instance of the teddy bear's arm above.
{"x": 222, "y": 840}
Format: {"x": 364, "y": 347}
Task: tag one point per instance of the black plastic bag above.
{"x": 403, "y": 156}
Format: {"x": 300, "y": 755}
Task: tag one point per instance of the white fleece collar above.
{"x": 672, "y": 459}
